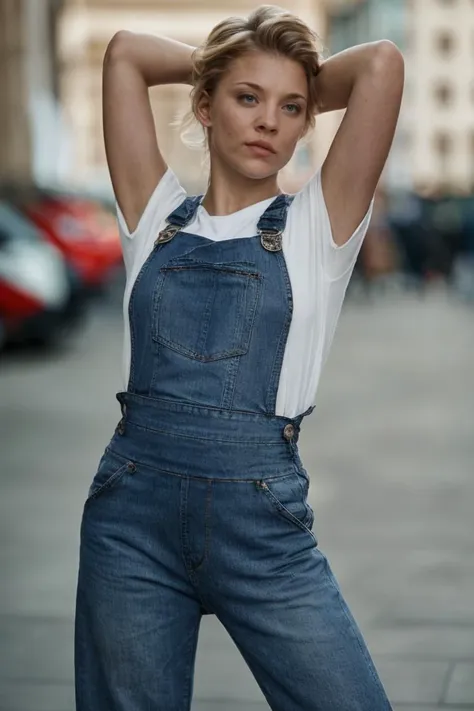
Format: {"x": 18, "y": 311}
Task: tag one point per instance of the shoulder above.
{"x": 161, "y": 203}
{"x": 309, "y": 229}
{"x": 166, "y": 197}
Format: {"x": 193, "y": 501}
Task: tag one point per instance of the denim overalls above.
{"x": 199, "y": 505}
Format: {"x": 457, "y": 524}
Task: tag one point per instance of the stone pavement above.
{"x": 390, "y": 451}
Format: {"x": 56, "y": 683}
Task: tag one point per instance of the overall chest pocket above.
{"x": 206, "y": 311}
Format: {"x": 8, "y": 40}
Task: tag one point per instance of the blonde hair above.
{"x": 269, "y": 29}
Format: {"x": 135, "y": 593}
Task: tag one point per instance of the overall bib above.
{"x": 199, "y": 504}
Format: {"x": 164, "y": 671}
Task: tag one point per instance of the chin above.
{"x": 256, "y": 172}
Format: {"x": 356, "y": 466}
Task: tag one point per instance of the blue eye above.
{"x": 250, "y": 99}
{"x": 244, "y": 97}
{"x": 296, "y": 108}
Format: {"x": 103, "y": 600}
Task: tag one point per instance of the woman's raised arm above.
{"x": 368, "y": 80}
{"x": 132, "y": 64}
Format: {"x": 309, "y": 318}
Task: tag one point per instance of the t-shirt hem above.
{"x": 161, "y": 185}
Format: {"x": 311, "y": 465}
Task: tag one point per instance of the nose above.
{"x": 268, "y": 118}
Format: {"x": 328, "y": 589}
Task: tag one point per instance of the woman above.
{"x": 199, "y": 505}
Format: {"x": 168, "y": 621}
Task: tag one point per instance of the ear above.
{"x": 203, "y": 110}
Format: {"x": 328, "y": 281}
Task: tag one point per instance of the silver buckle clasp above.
{"x": 167, "y": 234}
{"x": 271, "y": 240}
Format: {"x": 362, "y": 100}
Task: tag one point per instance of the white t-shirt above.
{"x": 319, "y": 273}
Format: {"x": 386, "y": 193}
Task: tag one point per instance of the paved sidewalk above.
{"x": 390, "y": 451}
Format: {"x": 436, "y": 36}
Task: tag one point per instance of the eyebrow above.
{"x": 257, "y": 87}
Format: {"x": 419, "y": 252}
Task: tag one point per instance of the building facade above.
{"x": 433, "y": 149}
{"x": 85, "y": 28}
{"x": 51, "y": 54}
{"x": 28, "y": 73}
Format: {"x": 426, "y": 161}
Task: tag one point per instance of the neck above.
{"x": 229, "y": 191}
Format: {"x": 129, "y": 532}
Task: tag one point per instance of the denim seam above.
{"x": 283, "y": 337}
{"x": 113, "y": 479}
{"x": 192, "y": 644}
{"x": 220, "y": 480}
{"x": 131, "y": 321}
{"x": 291, "y": 518}
{"x": 209, "y": 409}
{"x": 214, "y": 267}
{"x": 207, "y": 529}
{"x": 183, "y": 521}
{"x": 180, "y": 435}
{"x": 309, "y": 519}
{"x": 230, "y": 382}
{"x": 182, "y": 350}
{"x": 185, "y": 549}
{"x": 354, "y": 630}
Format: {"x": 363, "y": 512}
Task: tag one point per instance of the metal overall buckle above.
{"x": 271, "y": 240}
{"x": 167, "y": 234}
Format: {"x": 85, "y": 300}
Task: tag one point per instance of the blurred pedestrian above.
{"x": 199, "y": 505}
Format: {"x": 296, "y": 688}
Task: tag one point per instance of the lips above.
{"x": 261, "y": 148}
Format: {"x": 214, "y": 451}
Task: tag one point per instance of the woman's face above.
{"x": 261, "y": 98}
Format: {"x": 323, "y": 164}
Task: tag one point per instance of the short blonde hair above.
{"x": 269, "y": 29}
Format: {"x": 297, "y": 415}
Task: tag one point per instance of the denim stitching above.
{"x": 280, "y": 349}
{"x": 191, "y": 652}
{"x": 180, "y": 435}
{"x": 207, "y": 529}
{"x": 248, "y": 317}
{"x": 355, "y": 632}
{"x": 112, "y": 479}
{"x": 215, "y": 479}
{"x": 140, "y": 274}
{"x": 281, "y": 508}
{"x": 208, "y": 410}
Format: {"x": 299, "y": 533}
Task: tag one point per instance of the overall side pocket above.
{"x": 288, "y": 498}
{"x": 112, "y": 468}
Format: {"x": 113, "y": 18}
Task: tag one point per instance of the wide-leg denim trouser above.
{"x": 163, "y": 542}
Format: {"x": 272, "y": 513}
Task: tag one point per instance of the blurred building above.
{"x": 51, "y": 55}
{"x": 85, "y": 28}
{"x": 434, "y": 146}
{"x": 28, "y": 73}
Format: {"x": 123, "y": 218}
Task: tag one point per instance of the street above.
{"x": 390, "y": 452}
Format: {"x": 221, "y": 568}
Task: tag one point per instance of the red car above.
{"x": 40, "y": 300}
{"x": 80, "y": 227}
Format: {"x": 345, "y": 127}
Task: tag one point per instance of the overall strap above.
{"x": 179, "y": 218}
{"x": 272, "y": 223}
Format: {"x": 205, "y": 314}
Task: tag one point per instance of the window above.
{"x": 444, "y": 42}
{"x": 443, "y": 145}
{"x": 443, "y": 93}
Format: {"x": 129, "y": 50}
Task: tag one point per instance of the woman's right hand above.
{"x": 132, "y": 64}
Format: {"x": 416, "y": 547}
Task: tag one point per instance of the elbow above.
{"x": 386, "y": 68}
{"x": 118, "y": 46}
{"x": 387, "y": 57}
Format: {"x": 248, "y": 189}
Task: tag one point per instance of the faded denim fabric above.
{"x": 199, "y": 504}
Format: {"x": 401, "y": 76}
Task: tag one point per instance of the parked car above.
{"x": 80, "y": 227}
{"x": 40, "y": 296}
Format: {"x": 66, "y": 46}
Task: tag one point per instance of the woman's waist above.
{"x": 192, "y": 440}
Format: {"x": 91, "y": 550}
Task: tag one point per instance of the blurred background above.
{"x": 389, "y": 448}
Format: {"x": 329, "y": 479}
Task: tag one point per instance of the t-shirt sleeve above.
{"x": 337, "y": 261}
{"x": 137, "y": 245}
